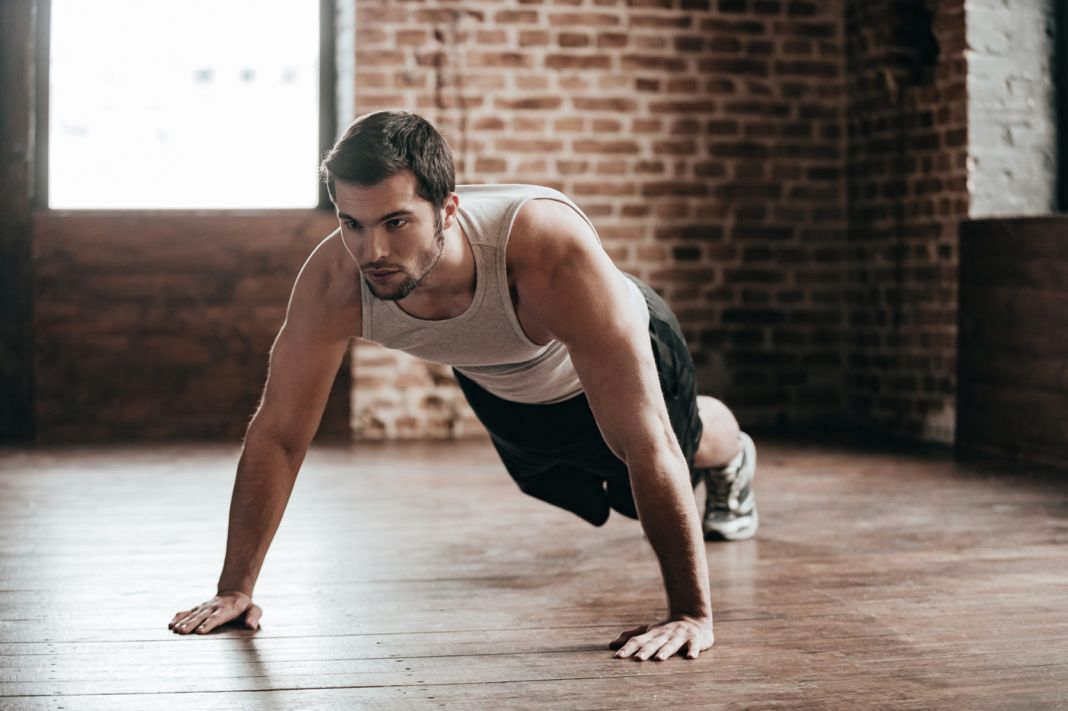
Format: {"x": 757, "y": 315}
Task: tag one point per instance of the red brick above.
{"x": 491, "y": 165}
{"x": 583, "y": 19}
{"x": 569, "y": 124}
{"x": 412, "y": 37}
{"x": 530, "y": 124}
{"x": 601, "y": 125}
{"x": 534, "y": 38}
{"x": 683, "y": 85}
{"x": 531, "y": 82}
{"x": 681, "y": 106}
{"x": 592, "y": 146}
{"x": 612, "y": 40}
{"x": 492, "y": 37}
{"x": 532, "y": 145}
{"x": 517, "y": 60}
{"x": 578, "y": 61}
{"x": 672, "y": 21}
{"x": 573, "y": 39}
{"x": 650, "y": 43}
{"x": 529, "y": 103}
{"x": 572, "y": 167}
{"x": 616, "y": 104}
{"x": 515, "y": 17}
{"x": 652, "y": 62}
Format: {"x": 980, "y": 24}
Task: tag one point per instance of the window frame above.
{"x": 42, "y": 70}
{"x": 1060, "y": 79}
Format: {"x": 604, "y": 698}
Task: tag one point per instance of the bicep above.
{"x": 614, "y": 361}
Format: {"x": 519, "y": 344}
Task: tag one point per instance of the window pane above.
{"x": 184, "y": 104}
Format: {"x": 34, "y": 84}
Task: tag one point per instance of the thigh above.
{"x": 570, "y": 488}
{"x": 533, "y": 438}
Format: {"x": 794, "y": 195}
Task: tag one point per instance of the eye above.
{"x": 351, "y": 225}
{"x": 398, "y": 219}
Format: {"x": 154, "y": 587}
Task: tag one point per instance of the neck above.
{"x": 455, "y": 270}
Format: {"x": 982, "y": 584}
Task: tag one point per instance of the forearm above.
{"x": 265, "y": 477}
{"x": 665, "y": 502}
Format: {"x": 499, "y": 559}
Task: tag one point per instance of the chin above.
{"x": 395, "y": 293}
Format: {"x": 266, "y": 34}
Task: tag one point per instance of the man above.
{"x": 579, "y": 371}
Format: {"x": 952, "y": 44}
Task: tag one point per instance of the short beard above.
{"x": 430, "y": 258}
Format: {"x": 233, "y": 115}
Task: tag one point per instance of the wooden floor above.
{"x": 418, "y": 576}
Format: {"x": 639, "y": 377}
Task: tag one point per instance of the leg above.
{"x": 719, "y": 436}
{"x": 554, "y": 453}
{"x": 568, "y": 487}
{"x": 716, "y": 450}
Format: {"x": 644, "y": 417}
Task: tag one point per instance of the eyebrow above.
{"x": 388, "y": 216}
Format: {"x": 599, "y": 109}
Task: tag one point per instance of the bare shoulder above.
{"x": 326, "y": 293}
{"x": 567, "y": 280}
{"x": 547, "y": 233}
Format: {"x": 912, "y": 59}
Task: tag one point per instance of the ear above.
{"x": 452, "y": 205}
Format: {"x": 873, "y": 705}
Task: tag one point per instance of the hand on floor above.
{"x": 663, "y": 639}
{"x": 217, "y": 611}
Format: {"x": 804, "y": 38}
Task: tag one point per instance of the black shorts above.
{"x": 556, "y": 452}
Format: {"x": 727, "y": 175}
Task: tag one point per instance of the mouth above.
{"x": 382, "y": 274}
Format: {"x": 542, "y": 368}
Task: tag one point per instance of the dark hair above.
{"x": 381, "y": 144}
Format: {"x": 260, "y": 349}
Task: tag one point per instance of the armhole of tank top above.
{"x": 570, "y": 203}
{"x": 502, "y": 271}
{"x": 631, "y": 287}
{"x": 365, "y": 311}
{"x": 502, "y": 251}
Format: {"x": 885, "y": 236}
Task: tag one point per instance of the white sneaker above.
{"x": 730, "y": 506}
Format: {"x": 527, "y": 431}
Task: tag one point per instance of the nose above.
{"x": 375, "y": 247}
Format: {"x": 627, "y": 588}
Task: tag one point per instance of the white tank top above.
{"x": 486, "y": 342}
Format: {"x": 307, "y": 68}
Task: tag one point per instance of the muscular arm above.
{"x": 577, "y": 293}
{"x": 303, "y": 363}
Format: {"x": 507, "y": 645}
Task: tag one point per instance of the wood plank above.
{"x": 418, "y": 576}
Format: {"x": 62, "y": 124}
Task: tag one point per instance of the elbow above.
{"x": 657, "y": 453}
{"x": 263, "y": 438}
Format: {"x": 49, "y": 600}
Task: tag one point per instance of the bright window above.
{"x": 167, "y": 104}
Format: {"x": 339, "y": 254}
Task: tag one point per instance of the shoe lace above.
{"x": 720, "y": 484}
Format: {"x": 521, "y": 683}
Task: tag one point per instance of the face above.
{"x": 395, "y": 235}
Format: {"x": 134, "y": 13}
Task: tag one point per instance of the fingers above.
{"x": 638, "y": 643}
{"x": 671, "y": 646}
{"x": 662, "y": 641}
{"x": 189, "y": 623}
{"x": 625, "y": 635}
{"x": 651, "y": 646}
{"x": 178, "y": 616}
{"x": 210, "y": 622}
{"x": 209, "y": 615}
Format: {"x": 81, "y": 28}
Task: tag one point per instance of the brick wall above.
{"x": 907, "y": 182}
{"x": 789, "y": 174}
{"x": 159, "y": 328}
{"x": 705, "y": 140}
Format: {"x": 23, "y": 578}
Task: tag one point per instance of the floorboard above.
{"x": 418, "y": 576}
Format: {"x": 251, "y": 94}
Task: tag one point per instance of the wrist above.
{"x": 704, "y": 620}
{"x": 233, "y": 591}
